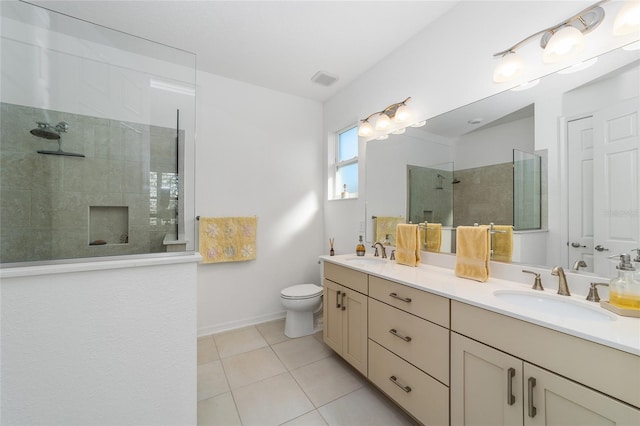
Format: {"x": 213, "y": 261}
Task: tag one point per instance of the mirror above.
{"x": 530, "y": 121}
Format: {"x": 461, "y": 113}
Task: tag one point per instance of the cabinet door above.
{"x": 554, "y": 400}
{"x": 486, "y": 385}
{"x": 332, "y": 316}
{"x": 354, "y": 329}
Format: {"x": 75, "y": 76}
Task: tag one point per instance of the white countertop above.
{"x": 622, "y": 333}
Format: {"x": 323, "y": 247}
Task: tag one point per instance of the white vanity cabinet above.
{"x": 498, "y": 384}
{"x": 409, "y": 348}
{"x": 345, "y": 314}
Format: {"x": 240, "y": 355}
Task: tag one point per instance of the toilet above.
{"x": 301, "y": 302}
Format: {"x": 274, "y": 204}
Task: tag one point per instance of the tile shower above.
{"x": 123, "y": 194}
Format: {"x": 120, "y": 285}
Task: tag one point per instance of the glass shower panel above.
{"x": 97, "y": 140}
{"x": 526, "y": 190}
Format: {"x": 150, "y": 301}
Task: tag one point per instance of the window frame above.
{"x": 337, "y": 164}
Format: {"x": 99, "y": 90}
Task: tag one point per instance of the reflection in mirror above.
{"x": 526, "y": 190}
{"x": 507, "y": 122}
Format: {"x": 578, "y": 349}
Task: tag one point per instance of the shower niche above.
{"x": 108, "y": 225}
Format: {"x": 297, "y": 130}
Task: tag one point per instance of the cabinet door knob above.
{"x": 531, "y": 385}
{"x": 511, "y": 399}
{"x": 405, "y": 388}
{"x": 404, "y": 299}
{"x": 395, "y": 333}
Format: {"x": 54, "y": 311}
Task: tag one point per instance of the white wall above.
{"x": 448, "y": 65}
{"x": 258, "y": 153}
{"x": 105, "y": 346}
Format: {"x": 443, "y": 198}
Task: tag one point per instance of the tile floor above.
{"x": 258, "y": 376}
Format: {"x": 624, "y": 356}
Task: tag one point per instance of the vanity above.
{"x": 452, "y": 351}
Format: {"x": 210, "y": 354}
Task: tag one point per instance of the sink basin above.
{"x": 560, "y": 307}
{"x": 366, "y": 261}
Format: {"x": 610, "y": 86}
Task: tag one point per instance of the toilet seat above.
{"x": 301, "y": 291}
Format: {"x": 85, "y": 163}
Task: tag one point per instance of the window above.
{"x": 346, "y": 164}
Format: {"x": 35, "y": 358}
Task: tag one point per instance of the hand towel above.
{"x": 386, "y": 225}
{"x": 434, "y": 237}
{"x": 502, "y": 243}
{"x": 473, "y": 248}
{"x": 407, "y": 244}
{"x": 227, "y": 239}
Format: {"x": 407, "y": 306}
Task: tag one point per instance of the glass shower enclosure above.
{"x": 96, "y": 141}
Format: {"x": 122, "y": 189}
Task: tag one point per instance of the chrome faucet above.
{"x": 563, "y": 288}
{"x": 384, "y": 252}
{"x": 579, "y": 264}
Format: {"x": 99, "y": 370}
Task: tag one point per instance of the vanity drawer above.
{"x": 347, "y": 277}
{"x": 421, "y": 395}
{"x": 422, "y": 343}
{"x": 417, "y": 302}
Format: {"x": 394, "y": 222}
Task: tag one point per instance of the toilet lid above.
{"x": 301, "y": 291}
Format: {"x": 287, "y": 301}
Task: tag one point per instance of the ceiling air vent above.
{"x": 324, "y": 78}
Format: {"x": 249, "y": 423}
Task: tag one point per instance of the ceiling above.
{"x": 279, "y": 45}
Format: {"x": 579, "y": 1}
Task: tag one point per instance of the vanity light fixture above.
{"x": 397, "y": 113}
{"x": 566, "y": 39}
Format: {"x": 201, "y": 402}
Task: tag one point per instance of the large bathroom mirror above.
{"x": 524, "y": 133}
{"x": 97, "y": 153}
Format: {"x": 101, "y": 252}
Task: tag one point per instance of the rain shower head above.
{"x": 455, "y": 180}
{"x": 47, "y": 131}
{"x": 441, "y": 179}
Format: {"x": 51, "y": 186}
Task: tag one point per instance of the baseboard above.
{"x": 232, "y": 325}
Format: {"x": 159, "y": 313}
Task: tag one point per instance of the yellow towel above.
{"x": 227, "y": 239}
{"x": 434, "y": 237}
{"x": 502, "y": 243}
{"x": 473, "y": 247}
{"x": 407, "y": 244}
{"x": 386, "y": 225}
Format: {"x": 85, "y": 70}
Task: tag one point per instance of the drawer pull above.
{"x": 404, "y": 299}
{"x": 344, "y": 308}
{"x": 337, "y": 299}
{"x": 395, "y": 333}
{"x": 405, "y": 388}
{"x": 532, "y": 384}
{"x": 511, "y": 399}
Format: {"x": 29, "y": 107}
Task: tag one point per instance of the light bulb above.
{"x": 403, "y": 113}
{"x": 383, "y": 122}
{"x": 567, "y": 42}
{"x": 509, "y": 68}
{"x": 365, "y": 129}
{"x": 628, "y": 19}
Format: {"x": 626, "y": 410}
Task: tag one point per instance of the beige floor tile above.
{"x": 218, "y": 411}
{"x": 239, "y": 341}
{"x": 273, "y": 331}
{"x": 365, "y": 406}
{"x": 327, "y": 380}
{"x": 211, "y": 380}
{"x": 272, "y": 401}
{"x": 310, "y": 419}
{"x": 250, "y": 367}
{"x": 302, "y": 351}
{"x": 207, "y": 350}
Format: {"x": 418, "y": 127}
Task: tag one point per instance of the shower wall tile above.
{"x": 16, "y": 171}
{"x": 135, "y": 177}
{"x": 16, "y": 209}
{"x": 41, "y": 203}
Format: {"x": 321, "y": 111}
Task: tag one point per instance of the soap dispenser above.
{"x": 360, "y": 250}
{"x": 636, "y": 263}
{"x": 624, "y": 290}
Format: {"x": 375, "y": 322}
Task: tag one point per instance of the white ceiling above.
{"x": 274, "y": 44}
